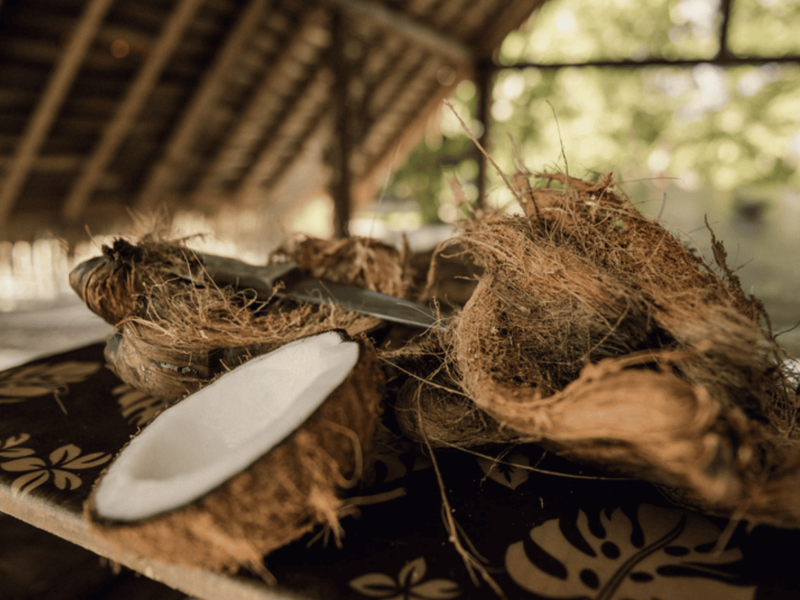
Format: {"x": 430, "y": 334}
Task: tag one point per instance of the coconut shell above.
{"x": 427, "y": 414}
{"x": 146, "y": 358}
{"x": 176, "y": 330}
{"x": 599, "y": 335}
{"x": 289, "y": 491}
{"x": 192, "y": 342}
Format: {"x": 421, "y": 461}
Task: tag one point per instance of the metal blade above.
{"x": 262, "y": 279}
{"x": 364, "y": 301}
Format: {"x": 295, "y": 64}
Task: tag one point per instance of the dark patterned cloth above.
{"x": 518, "y": 523}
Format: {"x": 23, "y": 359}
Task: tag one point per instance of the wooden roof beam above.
{"x": 509, "y": 17}
{"x": 241, "y": 143}
{"x": 287, "y": 137}
{"x": 52, "y": 99}
{"x": 435, "y": 41}
{"x": 210, "y": 90}
{"x": 118, "y": 129}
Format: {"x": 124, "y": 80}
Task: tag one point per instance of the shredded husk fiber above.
{"x": 595, "y": 333}
{"x": 175, "y": 329}
{"x": 284, "y": 494}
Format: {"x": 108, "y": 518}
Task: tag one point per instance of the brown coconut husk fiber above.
{"x": 292, "y": 489}
{"x": 359, "y": 261}
{"x": 176, "y": 329}
{"x": 595, "y": 333}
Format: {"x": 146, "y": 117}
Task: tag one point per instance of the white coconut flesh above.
{"x": 220, "y": 430}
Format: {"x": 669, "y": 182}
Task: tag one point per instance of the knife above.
{"x": 263, "y": 281}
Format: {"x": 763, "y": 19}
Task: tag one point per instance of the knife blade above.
{"x": 263, "y": 281}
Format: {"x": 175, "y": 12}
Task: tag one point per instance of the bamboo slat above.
{"x": 236, "y": 151}
{"x": 422, "y": 35}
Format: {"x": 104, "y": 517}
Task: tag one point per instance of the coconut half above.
{"x": 247, "y": 463}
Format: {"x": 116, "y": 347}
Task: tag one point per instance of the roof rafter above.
{"x": 306, "y": 113}
{"x": 256, "y": 116}
{"x": 208, "y": 93}
{"x": 628, "y": 63}
{"x": 428, "y": 37}
{"x": 119, "y": 127}
{"x": 52, "y": 99}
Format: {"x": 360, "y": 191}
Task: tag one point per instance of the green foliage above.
{"x": 577, "y": 30}
{"x": 765, "y": 27}
{"x": 704, "y": 125}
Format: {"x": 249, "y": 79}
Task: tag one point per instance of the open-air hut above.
{"x": 108, "y": 106}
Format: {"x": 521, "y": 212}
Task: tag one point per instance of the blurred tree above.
{"x": 710, "y": 123}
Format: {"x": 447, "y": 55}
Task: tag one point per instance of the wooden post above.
{"x": 124, "y": 119}
{"x": 52, "y": 99}
{"x": 341, "y": 146}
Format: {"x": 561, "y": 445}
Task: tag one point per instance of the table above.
{"x": 554, "y": 532}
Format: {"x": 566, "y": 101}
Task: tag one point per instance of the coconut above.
{"x": 247, "y": 463}
{"x": 596, "y": 333}
{"x": 149, "y": 359}
{"x": 360, "y": 261}
{"x": 176, "y": 329}
{"x": 112, "y": 283}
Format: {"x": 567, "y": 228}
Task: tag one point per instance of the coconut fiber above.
{"x": 598, "y": 335}
{"x": 290, "y": 490}
{"x": 175, "y": 329}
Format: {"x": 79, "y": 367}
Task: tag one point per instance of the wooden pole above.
{"x": 52, "y": 99}
{"x": 341, "y": 147}
{"x": 210, "y": 89}
{"x": 116, "y": 131}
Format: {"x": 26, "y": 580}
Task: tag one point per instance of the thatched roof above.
{"x": 116, "y": 103}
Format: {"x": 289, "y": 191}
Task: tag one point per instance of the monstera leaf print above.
{"x": 392, "y": 458}
{"x": 661, "y": 553}
{"x": 510, "y": 471}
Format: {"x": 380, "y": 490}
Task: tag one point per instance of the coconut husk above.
{"x": 284, "y": 494}
{"x": 359, "y": 261}
{"x": 597, "y": 333}
{"x": 111, "y": 285}
{"x": 191, "y": 338}
{"x": 431, "y": 408}
{"x": 176, "y": 329}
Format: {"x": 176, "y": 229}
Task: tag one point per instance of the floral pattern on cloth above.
{"x": 59, "y": 468}
{"x": 409, "y": 584}
{"x": 512, "y": 471}
{"x": 541, "y": 532}
{"x": 392, "y": 458}
{"x": 137, "y": 408}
